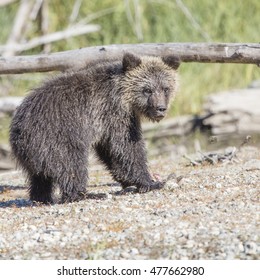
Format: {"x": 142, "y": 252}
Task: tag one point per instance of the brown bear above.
{"x": 97, "y": 107}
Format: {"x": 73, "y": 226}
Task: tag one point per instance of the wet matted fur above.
{"x": 98, "y": 107}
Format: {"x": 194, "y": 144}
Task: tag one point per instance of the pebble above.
{"x": 18, "y": 236}
{"x": 190, "y": 244}
{"x": 2, "y": 242}
{"x": 32, "y": 227}
{"x": 36, "y": 236}
{"x": 251, "y": 248}
{"x": 125, "y": 255}
{"x": 215, "y": 231}
{"x": 134, "y": 251}
{"x": 46, "y": 255}
{"x": 240, "y": 247}
{"x": 171, "y": 185}
{"x": 27, "y": 245}
{"x": 210, "y": 213}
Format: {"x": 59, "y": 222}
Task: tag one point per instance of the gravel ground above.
{"x": 204, "y": 212}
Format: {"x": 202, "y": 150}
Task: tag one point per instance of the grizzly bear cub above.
{"x": 98, "y": 107}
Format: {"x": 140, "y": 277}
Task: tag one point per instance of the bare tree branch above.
{"x": 75, "y": 30}
{"x": 44, "y": 18}
{"x": 193, "y": 21}
{"x": 75, "y": 11}
{"x": 19, "y": 25}
{"x": 246, "y": 53}
{"x": 6, "y": 2}
{"x": 36, "y": 9}
{"x": 94, "y": 16}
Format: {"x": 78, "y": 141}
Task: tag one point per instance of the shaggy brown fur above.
{"x": 98, "y": 107}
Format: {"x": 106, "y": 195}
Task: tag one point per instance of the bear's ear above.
{"x": 130, "y": 61}
{"x": 171, "y": 61}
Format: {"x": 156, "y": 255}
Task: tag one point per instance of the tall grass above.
{"x": 135, "y": 21}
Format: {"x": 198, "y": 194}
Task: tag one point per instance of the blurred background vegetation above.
{"x": 138, "y": 21}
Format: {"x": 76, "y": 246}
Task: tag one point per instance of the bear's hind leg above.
{"x": 40, "y": 189}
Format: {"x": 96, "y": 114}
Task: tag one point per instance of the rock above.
{"x": 253, "y": 164}
{"x": 250, "y": 248}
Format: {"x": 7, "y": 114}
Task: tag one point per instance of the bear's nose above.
{"x": 161, "y": 109}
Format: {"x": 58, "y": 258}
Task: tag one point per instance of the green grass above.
{"x": 4, "y": 129}
{"x": 156, "y": 21}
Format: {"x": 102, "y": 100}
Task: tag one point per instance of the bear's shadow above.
{"x": 23, "y": 202}
{"x": 17, "y": 203}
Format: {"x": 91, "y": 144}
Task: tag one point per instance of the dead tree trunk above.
{"x": 187, "y": 52}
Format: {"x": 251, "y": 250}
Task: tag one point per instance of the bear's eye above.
{"x": 166, "y": 90}
{"x": 147, "y": 91}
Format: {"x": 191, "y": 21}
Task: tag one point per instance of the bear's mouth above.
{"x": 160, "y": 112}
{"x": 157, "y": 115}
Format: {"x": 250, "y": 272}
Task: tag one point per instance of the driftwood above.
{"x": 8, "y": 104}
{"x": 178, "y": 126}
{"x": 224, "y": 156}
{"x": 236, "y": 111}
{"x": 214, "y": 157}
{"x": 186, "y": 52}
{"x": 6, "y": 162}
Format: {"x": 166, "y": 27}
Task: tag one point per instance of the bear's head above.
{"x": 149, "y": 83}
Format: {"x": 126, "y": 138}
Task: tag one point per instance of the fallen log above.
{"x": 187, "y": 52}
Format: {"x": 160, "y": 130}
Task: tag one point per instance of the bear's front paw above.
{"x": 155, "y": 186}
